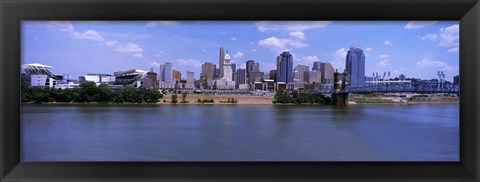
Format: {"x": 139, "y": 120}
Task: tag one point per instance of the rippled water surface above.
{"x": 424, "y": 132}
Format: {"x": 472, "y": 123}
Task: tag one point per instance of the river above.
{"x": 94, "y": 132}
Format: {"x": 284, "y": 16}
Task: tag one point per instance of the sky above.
{"x": 414, "y": 48}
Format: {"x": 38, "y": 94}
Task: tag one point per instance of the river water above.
{"x": 91, "y": 132}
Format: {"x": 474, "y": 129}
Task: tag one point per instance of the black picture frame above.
{"x": 13, "y": 11}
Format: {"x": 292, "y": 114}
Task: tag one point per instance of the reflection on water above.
{"x": 427, "y": 132}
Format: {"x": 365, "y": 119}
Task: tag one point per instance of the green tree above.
{"x": 152, "y": 95}
{"x": 174, "y": 98}
{"x": 104, "y": 94}
{"x": 184, "y": 96}
{"x": 87, "y": 92}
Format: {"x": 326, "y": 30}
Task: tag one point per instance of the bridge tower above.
{"x": 339, "y": 93}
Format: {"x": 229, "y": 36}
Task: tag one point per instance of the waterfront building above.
{"x": 167, "y": 72}
{"x": 226, "y": 82}
{"x": 256, "y": 67}
{"x": 403, "y": 77}
{"x": 326, "y": 70}
{"x": 355, "y": 67}
{"x": 255, "y": 76}
{"x": 249, "y": 66}
{"x": 285, "y": 68}
{"x": 456, "y": 79}
{"x": 133, "y": 77}
{"x": 177, "y": 76}
{"x": 234, "y": 71}
{"x": 39, "y": 75}
{"x": 272, "y": 75}
{"x": 97, "y": 78}
{"x": 150, "y": 81}
{"x": 190, "y": 84}
{"x": 161, "y": 73}
{"x": 241, "y": 76}
{"x": 166, "y": 76}
{"x": 299, "y": 72}
{"x": 221, "y": 62}
{"x": 312, "y": 76}
{"x": 208, "y": 70}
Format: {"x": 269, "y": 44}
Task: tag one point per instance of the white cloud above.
{"x": 130, "y": 47}
{"x": 66, "y": 26}
{"x": 278, "y": 44}
{"x": 425, "y": 63}
{"x": 310, "y": 59}
{"x": 447, "y": 37}
{"x": 138, "y": 55}
{"x": 62, "y": 26}
{"x": 89, "y": 35}
{"x": 111, "y": 43}
{"x": 155, "y": 64}
{"x": 339, "y": 59}
{"x": 384, "y": 56}
{"x": 254, "y": 50}
{"x": 238, "y": 55}
{"x": 430, "y": 63}
{"x": 384, "y": 59}
{"x": 387, "y": 42}
{"x": 155, "y": 23}
{"x": 298, "y": 34}
{"x": 189, "y": 62}
{"x": 233, "y": 39}
{"x": 453, "y": 50}
{"x": 418, "y": 24}
{"x": 368, "y": 49}
{"x": 204, "y": 50}
{"x": 430, "y": 36}
{"x": 264, "y": 26}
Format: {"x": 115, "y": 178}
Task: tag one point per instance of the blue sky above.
{"x": 416, "y": 49}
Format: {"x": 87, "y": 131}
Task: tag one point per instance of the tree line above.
{"x": 89, "y": 92}
{"x": 295, "y": 97}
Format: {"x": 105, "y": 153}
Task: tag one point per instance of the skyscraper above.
{"x": 298, "y": 72}
{"x": 190, "y": 80}
{"x": 241, "y": 76}
{"x": 221, "y": 61}
{"x": 166, "y": 73}
{"x": 226, "y": 82}
{"x": 161, "y": 74}
{"x": 355, "y": 66}
{"x": 234, "y": 71}
{"x": 285, "y": 67}
{"x": 249, "y": 66}
{"x": 326, "y": 71}
{"x": 208, "y": 69}
{"x": 227, "y": 68}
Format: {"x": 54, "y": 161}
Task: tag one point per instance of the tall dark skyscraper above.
{"x": 285, "y": 67}
{"x": 249, "y": 66}
{"x": 221, "y": 60}
{"x": 234, "y": 70}
{"x": 241, "y": 76}
{"x": 355, "y": 66}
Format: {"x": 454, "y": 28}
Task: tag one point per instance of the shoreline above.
{"x": 196, "y": 103}
{"x": 192, "y": 99}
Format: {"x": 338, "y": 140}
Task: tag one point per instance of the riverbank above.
{"x": 263, "y": 100}
{"x": 219, "y": 99}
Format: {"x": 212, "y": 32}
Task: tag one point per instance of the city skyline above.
{"x": 415, "y": 49}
